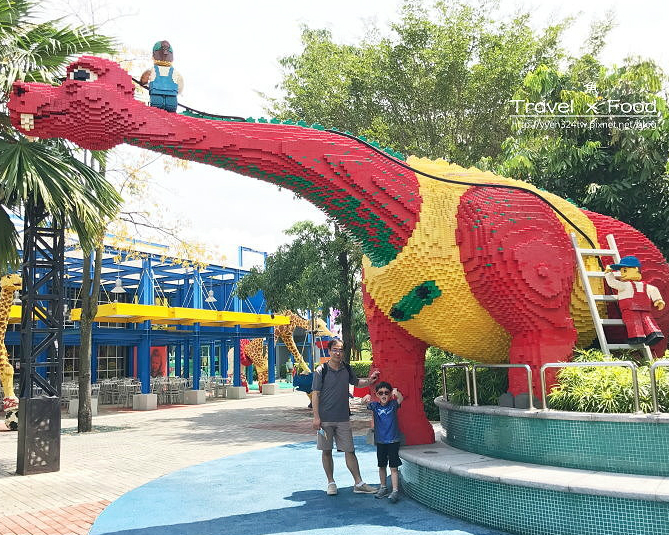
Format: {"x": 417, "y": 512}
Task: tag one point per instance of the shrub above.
{"x": 491, "y": 383}
{"x": 432, "y": 385}
{"x": 361, "y": 367}
{"x": 606, "y": 389}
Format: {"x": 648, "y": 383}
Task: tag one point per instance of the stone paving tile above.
{"x": 97, "y": 468}
{"x": 64, "y": 520}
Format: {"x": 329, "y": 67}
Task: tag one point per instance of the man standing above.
{"x": 332, "y": 417}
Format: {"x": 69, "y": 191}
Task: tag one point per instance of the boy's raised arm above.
{"x": 398, "y": 396}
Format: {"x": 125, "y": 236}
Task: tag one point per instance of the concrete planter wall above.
{"x": 625, "y": 443}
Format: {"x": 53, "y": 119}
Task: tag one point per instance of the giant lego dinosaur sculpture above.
{"x": 485, "y": 271}
{"x": 10, "y": 403}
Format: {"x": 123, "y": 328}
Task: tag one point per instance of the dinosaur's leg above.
{"x": 520, "y": 266}
{"x": 536, "y": 348}
{"x": 401, "y": 359}
{"x": 10, "y": 403}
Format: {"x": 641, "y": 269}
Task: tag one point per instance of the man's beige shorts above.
{"x": 342, "y": 434}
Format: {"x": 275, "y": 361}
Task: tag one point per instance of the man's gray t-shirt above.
{"x": 333, "y": 398}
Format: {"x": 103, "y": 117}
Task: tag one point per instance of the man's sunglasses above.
{"x": 382, "y": 393}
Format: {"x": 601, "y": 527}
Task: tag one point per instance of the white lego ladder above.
{"x": 593, "y": 298}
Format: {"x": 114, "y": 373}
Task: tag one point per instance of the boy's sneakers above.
{"x": 364, "y": 488}
{"x": 382, "y": 492}
{"x": 394, "y": 496}
{"x": 332, "y": 489}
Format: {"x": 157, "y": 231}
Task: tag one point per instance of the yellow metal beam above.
{"x": 161, "y": 315}
{"x": 15, "y": 314}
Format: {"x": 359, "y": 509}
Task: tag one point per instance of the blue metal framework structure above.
{"x": 150, "y": 278}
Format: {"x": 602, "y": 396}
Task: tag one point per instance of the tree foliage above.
{"x": 607, "y": 389}
{"x": 442, "y": 82}
{"x": 606, "y": 160}
{"x": 45, "y": 172}
{"x": 319, "y": 269}
{"x": 438, "y": 86}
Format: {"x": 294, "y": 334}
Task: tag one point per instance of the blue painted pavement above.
{"x": 276, "y": 491}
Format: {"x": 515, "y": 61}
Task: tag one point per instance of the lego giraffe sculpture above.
{"x": 254, "y": 351}
{"x": 10, "y": 403}
{"x": 285, "y": 333}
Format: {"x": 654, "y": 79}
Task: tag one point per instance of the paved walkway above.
{"x": 277, "y": 491}
{"x": 97, "y": 468}
{"x": 135, "y": 448}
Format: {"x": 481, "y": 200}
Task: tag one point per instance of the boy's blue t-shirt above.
{"x": 386, "y": 428}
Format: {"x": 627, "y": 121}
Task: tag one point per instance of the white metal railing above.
{"x": 621, "y": 363}
{"x": 653, "y": 382}
{"x": 465, "y": 366}
{"x": 470, "y": 368}
{"x": 526, "y": 367}
{"x": 472, "y": 391}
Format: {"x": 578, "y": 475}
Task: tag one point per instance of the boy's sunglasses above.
{"x": 382, "y": 393}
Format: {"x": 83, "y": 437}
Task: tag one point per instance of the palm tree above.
{"x": 45, "y": 172}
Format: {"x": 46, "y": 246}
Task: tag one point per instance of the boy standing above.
{"x": 387, "y": 437}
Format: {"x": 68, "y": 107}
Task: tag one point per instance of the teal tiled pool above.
{"x": 624, "y": 443}
{"x": 532, "y": 510}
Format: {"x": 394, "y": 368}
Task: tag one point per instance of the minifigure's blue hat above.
{"x": 627, "y": 261}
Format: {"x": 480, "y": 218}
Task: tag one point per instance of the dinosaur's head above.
{"x": 12, "y": 282}
{"x": 91, "y": 107}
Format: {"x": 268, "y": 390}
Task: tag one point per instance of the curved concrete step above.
{"x": 444, "y": 458}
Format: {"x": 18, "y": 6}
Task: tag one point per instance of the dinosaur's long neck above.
{"x": 369, "y": 194}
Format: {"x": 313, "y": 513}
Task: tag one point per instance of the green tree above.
{"x": 45, "y": 172}
{"x": 360, "y": 331}
{"x": 132, "y": 181}
{"x": 319, "y": 269}
{"x": 438, "y": 86}
{"x": 605, "y": 160}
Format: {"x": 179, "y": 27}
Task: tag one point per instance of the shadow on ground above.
{"x": 272, "y": 491}
{"x": 215, "y": 427}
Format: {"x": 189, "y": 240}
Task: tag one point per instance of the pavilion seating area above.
{"x": 170, "y": 390}
{"x": 119, "y": 392}
{"x": 70, "y": 391}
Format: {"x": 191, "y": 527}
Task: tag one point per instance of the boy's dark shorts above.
{"x": 388, "y": 455}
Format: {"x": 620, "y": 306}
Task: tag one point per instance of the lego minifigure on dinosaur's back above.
{"x": 164, "y": 82}
{"x": 636, "y": 299}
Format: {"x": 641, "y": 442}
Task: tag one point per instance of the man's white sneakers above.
{"x": 332, "y": 489}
